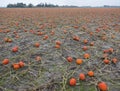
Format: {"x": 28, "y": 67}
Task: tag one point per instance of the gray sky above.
{"x": 66, "y": 2}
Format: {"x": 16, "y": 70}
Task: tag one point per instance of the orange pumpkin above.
{"x": 106, "y": 61}
{"x": 91, "y": 43}
{"x": 6, "y": 39}
{"x": 114, "y": 60}
{"x": 106, "y": 51}
{"x": 58, "y": 42}
{"x": 105, "y": 55}
{"x": 45, "y": 37}
{"x": 57, "y": 46}
{"x": 85, "y": 41}
{"x": 90, "y": 73}
{"x": 72, "y": 82}
{"x": 17, "y": 36}
{"x": 102, "y": 86}
{"x": 25, "y": 30}
{"x": 76, "y": 27}
{"x": 69, "y": 59}
{"x": 86, "y": 55}
{"x": 111, "y": 50}
{"x": 104, "y": 38}
{"x": 91, "y": 33}
{"x": 15, "y": 49}
{"x": 64, "y": 31}
{"x": 37, "y": 44}
{"x": 22, "y": 64}
{"x": 82, "y": 76}
{"x": 52, "y": 32}
{"x": 76, "y": 38}
{"x": 85, "y": 48}
{"x": 9, "y": 40}
{"x": 38, "y": 58}
{"x": 16, "y": 66}
{"x": 5, "y": 61}
{"x": 79, "y": 61}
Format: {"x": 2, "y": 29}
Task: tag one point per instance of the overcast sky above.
{"x": 66, "y": 2}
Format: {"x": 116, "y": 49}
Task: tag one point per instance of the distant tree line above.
{"x": 18, "y": 5}
{"x": 107, "y": 6}
{"x": 22, "y": 5}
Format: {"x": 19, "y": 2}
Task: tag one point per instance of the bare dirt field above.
{"x": 46, "y": 49}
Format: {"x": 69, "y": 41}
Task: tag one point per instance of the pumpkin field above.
{"x": 59, "y": 49}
